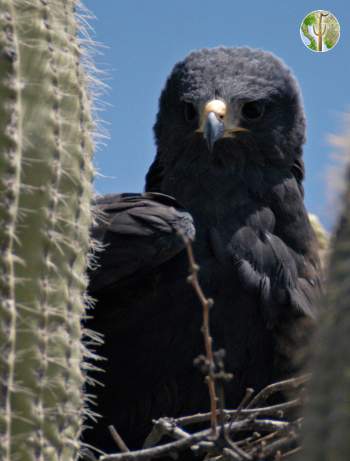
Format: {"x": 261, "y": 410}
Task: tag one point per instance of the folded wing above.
{"x": 135, "y": 233}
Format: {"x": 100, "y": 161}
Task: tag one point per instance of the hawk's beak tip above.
{"x": 213, "y": 130}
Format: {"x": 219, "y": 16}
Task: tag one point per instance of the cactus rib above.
{"x": 11, "y": 165}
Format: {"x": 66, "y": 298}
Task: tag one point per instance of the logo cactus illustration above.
{"x": 320, "y": 31}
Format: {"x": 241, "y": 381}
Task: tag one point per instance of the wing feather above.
{"x": 137, "y": 232}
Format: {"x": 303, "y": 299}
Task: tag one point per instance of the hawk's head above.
{"x": 227, "y": 111}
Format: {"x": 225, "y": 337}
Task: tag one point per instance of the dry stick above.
{"x": 282, "y": 443}
{"x": 248, "y": 441}
{"x": 208, "y": 341}
{"x": 118, "y": 440}
{"x": 266, "y": 438}
{"x": 244, "y": 402}
{"x": 184, "y": 443}
{"x": 231, "y": 455}
{"x": 237, "y": 449}
{"x": 261, "y": 411}
{"x": 287, "y": 384}
{"x": 161, "y": 427}
{"x": 234, "y": 448}
{"x": 250, "y": 444}
{"x": 286, "y": 439}
{"x": 290, "y": 452}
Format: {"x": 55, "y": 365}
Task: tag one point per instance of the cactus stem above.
{"x": 320, "y": 33}
{"x": 45, "y": 186}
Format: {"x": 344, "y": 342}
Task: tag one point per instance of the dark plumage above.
{"x": 236, "y": 167}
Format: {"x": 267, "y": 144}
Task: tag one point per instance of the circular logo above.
{"x": 320, "y": 31}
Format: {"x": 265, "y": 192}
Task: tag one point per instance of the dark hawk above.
{"x": 228, "y": 173}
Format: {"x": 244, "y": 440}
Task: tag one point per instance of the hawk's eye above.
{"x": 253, "y": 110}
{"x": 190, "y": 112}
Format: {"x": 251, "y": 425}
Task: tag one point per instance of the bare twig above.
{"x": 118, "y": 440}
{"x": 286, "y": 385}
{"x": 283, "y": 443}
{"x": 192, "y": 439}
{"x": 230, "y": 454}
{"x": 244, "y": 402}
{"x": 207, "y": 303}
{"x": 264, "y": 439}
{"x": 164, "y": 426}
{"x": 248, "y": 441}
{"x": 236, "y": 448}
{"x": 249, "y": 392}
{"x": 266, "y": 425}
{"x": 290, "y": 452}
{"x": 262, "y": 411}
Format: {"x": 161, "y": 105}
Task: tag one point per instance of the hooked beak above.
{"x": 216, "y": 123}
{"x": 213, "y": 129}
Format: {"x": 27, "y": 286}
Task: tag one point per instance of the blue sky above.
{"x": 142, "y": 40}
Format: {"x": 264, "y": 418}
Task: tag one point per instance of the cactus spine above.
{"x": 45, "y": 190}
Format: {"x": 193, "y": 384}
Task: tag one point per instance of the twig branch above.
{"x": 262, "y": 411}
{"x": 207, "y": 303}
{"x": 237, "y": 450}
{"x": 164, "y": 426}
{"x": 184, "y": 443}
{"x": 244, "y": 402}
{"x": 291, "y": 452}
{"x": 118, "y": 440}
{"x": 285, "y": 443}
{"x": 286, "y": 385}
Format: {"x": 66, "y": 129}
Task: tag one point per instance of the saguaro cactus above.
{"x": 45, "y": 189}
{"x": 320, "y": 32}
{"x": 328, "y": 412}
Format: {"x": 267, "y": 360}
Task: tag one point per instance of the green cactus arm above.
{"x": 45, "y": 190}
